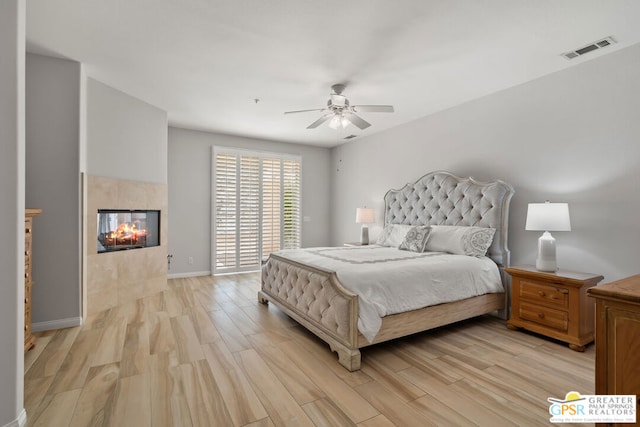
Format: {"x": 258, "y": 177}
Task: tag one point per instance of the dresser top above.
{"x": 565, "y": 275}
{"x": 32, "y": 212}
{"x": 627, "y": 289}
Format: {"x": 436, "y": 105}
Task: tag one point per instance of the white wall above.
{"x": 53, "y": 116}
{"x": 190, "y": 194}
{"x": 568, "y": 137}
{"x": 126, "y": 137}
{"x": 12, "y": 42}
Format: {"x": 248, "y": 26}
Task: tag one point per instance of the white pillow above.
{"x": 416, "y": 238}
{"x": 393, "y": 235}
{"x": 460, "y": 240}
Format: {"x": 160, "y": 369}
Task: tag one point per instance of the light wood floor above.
{"x": 204, "y": 352}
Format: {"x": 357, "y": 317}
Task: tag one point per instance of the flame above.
{"x": 126, "y": 233}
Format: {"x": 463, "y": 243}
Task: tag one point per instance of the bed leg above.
{"x": 350, "y": 359}
{"x": 262, "y": 299}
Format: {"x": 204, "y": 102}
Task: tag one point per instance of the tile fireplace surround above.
{"x": 142, "y": 271}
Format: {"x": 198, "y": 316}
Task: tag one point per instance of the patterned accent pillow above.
{"x": 384, "y": 236}
{"x": 416, "y": 239}
{"x": 393, "y": 235}
{"x": 460, "y": 240}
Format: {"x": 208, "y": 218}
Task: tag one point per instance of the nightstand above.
{"x": 553, "y": 304}
{"x": 354, "y": 244}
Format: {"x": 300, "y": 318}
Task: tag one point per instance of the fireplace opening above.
{"x": 127, "y": 229}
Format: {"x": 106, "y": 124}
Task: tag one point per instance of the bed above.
{"x": 311, "y": 293}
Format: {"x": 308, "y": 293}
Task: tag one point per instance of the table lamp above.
{"x": 365, "y": 216}
{"x": 547, "y": 217}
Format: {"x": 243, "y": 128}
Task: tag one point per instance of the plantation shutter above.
{"x": 256, "y": 208}
{"x": 291, "y": 194}
{"x": 249, "y": 203}
{"x": 225, "y": 223}
{"x": 271, "y": 212}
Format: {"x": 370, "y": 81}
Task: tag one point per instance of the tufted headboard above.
{"x": 441, "y": 198}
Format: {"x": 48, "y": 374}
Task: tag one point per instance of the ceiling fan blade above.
{"x": 320, "y": 121}
{"x": 357, "y": 121}
{"x": 304, "y": 111}
{"x": 373, "y": 108}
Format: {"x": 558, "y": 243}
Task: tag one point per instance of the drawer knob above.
{"x": 541, "y": 293}
{"x": 541, "y": 315}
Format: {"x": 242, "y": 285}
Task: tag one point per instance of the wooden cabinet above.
{"x": 553, "y": 304}
{"x": 618, "y": 337}
{"x": 29, "y": 341}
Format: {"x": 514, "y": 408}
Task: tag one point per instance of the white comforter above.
{"x": 389, "y": 281}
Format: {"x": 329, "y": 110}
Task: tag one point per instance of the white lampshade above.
{"x": 365, "y": 215}
{"x": 548, "y": 217}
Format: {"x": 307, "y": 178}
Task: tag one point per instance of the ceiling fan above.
{"x": 340, "y": 113}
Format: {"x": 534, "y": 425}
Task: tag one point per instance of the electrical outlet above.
{"x": 190, "y": 260}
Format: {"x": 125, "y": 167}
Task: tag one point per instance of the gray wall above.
{"x": 568, "y": 137}
{"x": 53, "y": 184}
{"x": 190, "y": 194}
{"x": 126, "y": 137}
{"x": 12, "y": 39}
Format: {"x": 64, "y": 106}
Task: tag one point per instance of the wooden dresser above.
{"x": 29, "y": 341}
{"x": 618, "y": 338}
{"x": 554, "y": 304}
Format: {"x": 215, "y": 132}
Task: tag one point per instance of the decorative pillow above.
{"x": 460, "y": 240}
{"x": 416, "y": 238}
{"x": 393, "y": 235}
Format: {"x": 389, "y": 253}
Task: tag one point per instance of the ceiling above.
{"x": 206, "y": 62}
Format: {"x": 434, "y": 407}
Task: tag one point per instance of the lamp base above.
{"x": 364, "y": 235}
{"x": 546, "y": 260}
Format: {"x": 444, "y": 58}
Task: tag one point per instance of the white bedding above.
{"x": 389, "y": 280}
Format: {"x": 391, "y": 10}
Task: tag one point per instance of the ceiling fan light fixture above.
{"x": 339, "y": 120}
{"x": 335, "y": 122}
{"x": 339, "y": 113}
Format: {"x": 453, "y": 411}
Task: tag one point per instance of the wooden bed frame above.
{"x": 316, "y": 299}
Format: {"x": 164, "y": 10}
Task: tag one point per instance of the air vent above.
{"x": 607, "y": 41}
{"x": 350, "y": 136}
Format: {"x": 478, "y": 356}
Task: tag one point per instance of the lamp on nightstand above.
{"x": 547, "y": 217}
{"x": 365, "y": 216}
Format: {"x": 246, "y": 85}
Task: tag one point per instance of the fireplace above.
{"x": 127, "y": 229}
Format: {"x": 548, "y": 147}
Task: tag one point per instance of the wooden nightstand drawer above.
{"x": 544, "y": 294}
{"x": 555, "y": 319}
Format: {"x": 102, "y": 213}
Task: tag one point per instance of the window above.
{"x": 256, "y": 207}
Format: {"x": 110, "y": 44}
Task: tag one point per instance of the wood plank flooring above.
{"x": 204, "y": 352}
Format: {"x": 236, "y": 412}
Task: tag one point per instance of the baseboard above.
{"x": 56, "y": 324}
{"x": 191, "y": 274}
{"x": 21, "y": 421}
